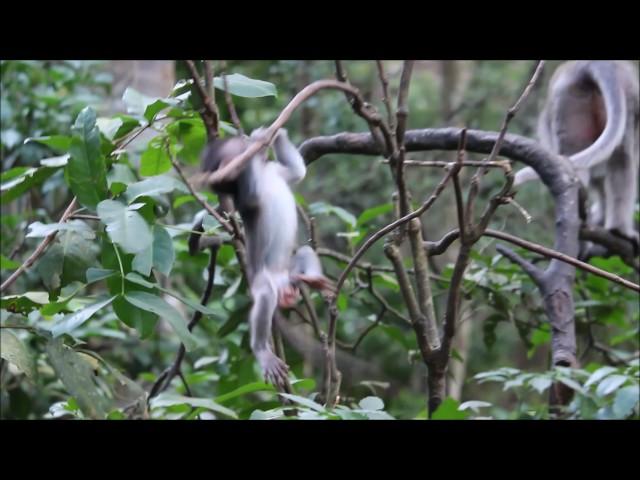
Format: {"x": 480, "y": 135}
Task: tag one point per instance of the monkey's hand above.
{"x": 258, "y": 134}
{"x": 288, "y": 296}
{"x": 318, "y": 282}
{"x": 275, "y": 371}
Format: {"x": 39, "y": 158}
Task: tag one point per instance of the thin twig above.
{"x": 230, "y": 106}
{"x": 165, "y": 378}
{"x": 209, "y": 113}
{"x": 392, "y": 226}
{"x": 385, "y": 94}
{"x": 39, "y": 251}
{"x": 234, "y": 167}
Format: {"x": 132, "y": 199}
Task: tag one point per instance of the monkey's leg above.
{"x": 265, "y": 297}
{"x": 598, "y": 206}
{"x": 621, "y": 184}
{"x": 306, "y": 267}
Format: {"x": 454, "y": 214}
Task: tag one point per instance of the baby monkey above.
{"x": 262, "y": 195}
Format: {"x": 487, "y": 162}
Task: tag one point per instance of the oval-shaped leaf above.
{"x": 73, "y": 321}
{"x": 171, "y": 399}
{"x": 305, "y": 402}
{"x": 242, "y": 86}
{"x": 154, "y": 304}
{"x": 599, "y": 374}
{"x": 154, "y": 186}
{"x": 125, "y": 226}
{"x": 15, "y": 352}
{"x": 154, "y": 161}
{"x": 609, "y": 384}
{"x": 135, "y": 278}
{"x": 626, "y": 400}
{"x": 371, "y": 403}
{"x": 86, "y": 169}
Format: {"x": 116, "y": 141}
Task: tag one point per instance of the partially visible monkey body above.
{"x": 591, "y": 115}
{"x": 263, "y": 197}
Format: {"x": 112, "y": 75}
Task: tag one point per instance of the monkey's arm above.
{"x": 293, "y": 168}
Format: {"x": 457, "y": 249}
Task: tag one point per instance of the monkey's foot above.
{"x": 275, "y": 371}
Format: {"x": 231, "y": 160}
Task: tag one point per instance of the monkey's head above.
{"x": 220, "y": 152}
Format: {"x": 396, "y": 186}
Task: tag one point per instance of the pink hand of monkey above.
{"x": 317, "y": 282}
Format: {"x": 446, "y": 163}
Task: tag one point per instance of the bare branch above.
{"x": 385, "y": 94}
{"x": 210, "y": 111}
{"x": 230, "y": 106}
{"x": 39, "y": 251}
{"x": 392, "y": 226}
{"x": 235, "y": 166}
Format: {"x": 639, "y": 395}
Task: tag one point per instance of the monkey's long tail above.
{"x": 605, "y": 75}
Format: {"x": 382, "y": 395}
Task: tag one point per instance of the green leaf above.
{"x": 371, "y": 403}
{"x": 125, "y": 226}
{"x": 243, "y": 390}
{"x": 14, "y": 351}
{"x": 599, "y": 375}
{"x": 154, "y": 186}
{"x": 572, "y": 384}
{"x": 154, "y": 161}
{"x": 154, "y": 304}
{"x": 242, "y": 86}
{"x": 170, "y": 399}
{"x": 142, "y": 320}
{"x": 54, "y": 162}
{"x": 135, "y": 278}
{"x": 319, "y": 208}
{"x": 305, "y": 402}
{"x": 7, "y": 264}
{"x": 13, "y": 173}
{"x": 540, "y": 384}
{"x": 24, "y": 303}
{"x": 182, "y": 199}
{"x": 61, "y": 143}
{"x": 50, "y": 267}
{"x": 109, "y": 127}
{"x": 120, "y": 173}
{"x": 626, "y": 400}
{"x": 163, "y": 252}
{"x": 376, "y": 415}
{"x": 143, "y": 261}
{"x": 15, "y": 187}
{"x": 372, "y": 213}
{"x": 474, "y": 405}
{"x": 136, "y": 102}
{"x": 78, "y": 377}
{"x": 128, "y": 124}
{"x": 448, "y": 410}
{"x": 386, "y": 280}
{"x": 609, "y": 384}
{"x": 86, "y": 169}
{"x": 95, "y": 274}
{"x": 73, "y": 321}
{"x": 41, "y": 230}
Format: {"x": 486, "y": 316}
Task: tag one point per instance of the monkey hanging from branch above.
{"x": 591, "y": 115}
{"x": 262, "y": 195}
